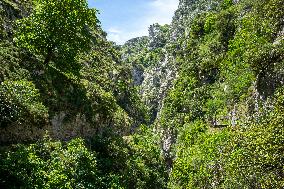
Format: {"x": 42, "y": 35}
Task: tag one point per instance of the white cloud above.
{"x": 158, "y": 11}
{"x": 114, "y": 30}
{"x": 115, "y": 34}
{"x": 121, "y": 38}
{"x": 162, "y": 11}
{"x": 115, "y": 37}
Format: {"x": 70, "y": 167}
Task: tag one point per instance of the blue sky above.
{"x": 126, "y": 19}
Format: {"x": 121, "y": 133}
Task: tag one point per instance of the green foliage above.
{"x": 229, "y": 57}
{"x": 114, "y": 162}
{"x": 139, "y": 52}
{"x": 11, "y": 10}
{"x": 60, "y": 29}
{"x": 133, "y": 162}
{"x": 200, "y": 158}
{"x": 245, "y": 157}
{"x": 10, "y": 58}
{"x": 146, "y": 166}
{"x": 49, "y": 165}
{"x": 158, "y": 36}
{"x": 20, "y": 102}
{"x": 93, "y": 81}
{"x": 257, "y": 159}
{"x": 2, "y": 29}
{"x": 102, "y": 101}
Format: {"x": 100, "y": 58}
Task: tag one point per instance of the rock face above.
{"x": 184, "y": 15}
{"x": 152, "y": 58}
{"x": 153, "y": 66}
{"x": 158, "y": 80}
{"x": 138, "y": 75}
{"x": 58, "y": 129}
{"x": 158, "y": 36}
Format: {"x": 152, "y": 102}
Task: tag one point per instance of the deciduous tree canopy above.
{"x": 58, "y": 29}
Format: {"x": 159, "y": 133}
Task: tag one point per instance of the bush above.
{"x": 257, "y": 160}
{"x": 20, "y": 102}
{"x": 49, "y": 165}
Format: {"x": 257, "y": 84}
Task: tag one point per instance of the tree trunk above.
{"x": 48, "y": 56}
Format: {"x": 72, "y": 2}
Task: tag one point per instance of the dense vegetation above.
{"x": 196, "y": 104}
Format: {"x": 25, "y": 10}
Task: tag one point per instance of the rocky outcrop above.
{"x": 158, "y": 80}
{"x": 153, "y": 58}
{"x": 158, "y": 36}
{"x": 153, "y": 68}
{"x": 184, "y": 15}
{"x": 59, "y": 129}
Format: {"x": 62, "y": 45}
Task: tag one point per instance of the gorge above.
{"x": 197, "y": 103}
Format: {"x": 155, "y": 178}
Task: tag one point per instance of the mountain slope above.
{"x": 196, "y": 104}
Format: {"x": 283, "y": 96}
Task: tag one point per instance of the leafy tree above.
{"x": 60, "y": 29}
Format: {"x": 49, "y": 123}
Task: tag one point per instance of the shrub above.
{"x": 49, "y": 164}
{"x": 20, "y": 102}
